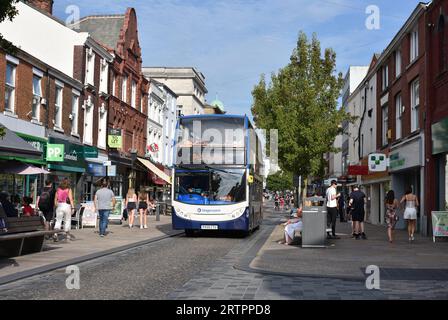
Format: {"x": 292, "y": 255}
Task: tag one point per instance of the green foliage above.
{"x": 301, "y": 102}
{"x": 280, "y": 181}
{"x": 2, "y": 132}
{"x": 7, "y": 11}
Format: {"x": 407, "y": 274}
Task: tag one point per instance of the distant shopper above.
{"x": 391, "y": 213}
{"x": 131, "y": 205}
{"x": 3, "y": 217}
{"x": 143, "y": 200}
{"x": 282, "y": 203}
{"x": 357, "y": 202}
{"x": 64, "y": 204}
{"x": 276, "y": 202}
{"x": 410, "y": 213}
{"x": 45, "y": 203}
{"x": 332, "y": 210}
{"x": 104, "y": 202}
{"x": 291, "y": 226}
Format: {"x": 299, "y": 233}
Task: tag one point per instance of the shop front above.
{"x": 65, "y": 159}
{"x": 406, "y": 166}
{"x": 440, "y": 155}
{"x": 16, "y": 148}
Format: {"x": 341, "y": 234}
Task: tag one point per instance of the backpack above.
{"x": 45, "y": 201}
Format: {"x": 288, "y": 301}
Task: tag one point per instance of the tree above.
{"x": 280, "y": 181}
{"x": 7, "y": 11}
{"x": 301, "y": 102}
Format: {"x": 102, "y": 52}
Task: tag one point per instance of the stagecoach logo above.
{"x": 209, "y": 210}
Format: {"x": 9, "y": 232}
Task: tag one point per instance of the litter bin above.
{"x": 314, "y": 227}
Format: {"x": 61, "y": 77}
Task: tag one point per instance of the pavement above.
{"x": 259, "y": 268}
{"x": 87, "y": 245}
{"x": 347, "y": 258}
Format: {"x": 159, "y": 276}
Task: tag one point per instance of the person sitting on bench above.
{"x": 291, "y": 226}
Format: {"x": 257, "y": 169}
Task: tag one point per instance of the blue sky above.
{"x": 233, "y": 42}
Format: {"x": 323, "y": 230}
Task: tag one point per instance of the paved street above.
{"x": 215, "y": 267}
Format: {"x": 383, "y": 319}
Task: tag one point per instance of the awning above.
{"x": 11, "y": 145}
{"x": 16, "y": 167}
{"x": 152, "y": 167}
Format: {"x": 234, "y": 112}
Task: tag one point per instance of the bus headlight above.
{"x": 238, "y": 212}
{"x": 180, "y": 213}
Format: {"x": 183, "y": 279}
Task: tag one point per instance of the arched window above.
{"x": 442, "y": 43}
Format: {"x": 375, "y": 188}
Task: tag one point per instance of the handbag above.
{"x": 396, "y": 218}
{"x": 125, "y": 214}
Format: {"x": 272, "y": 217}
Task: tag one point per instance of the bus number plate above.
{"x": 209, "y": 227}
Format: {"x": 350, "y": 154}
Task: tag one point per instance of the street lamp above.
{"x": 132, "y": 176}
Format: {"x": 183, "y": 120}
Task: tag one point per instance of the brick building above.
{"x": 128, "y": 101}
{"x": 436, "y": 142}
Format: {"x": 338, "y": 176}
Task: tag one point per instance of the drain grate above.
{"x": 412, "y": 274}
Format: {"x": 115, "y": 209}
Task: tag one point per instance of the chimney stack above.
{"x": 44, "y": 5}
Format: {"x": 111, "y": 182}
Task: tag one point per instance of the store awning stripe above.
{"x": 155, "y": 170}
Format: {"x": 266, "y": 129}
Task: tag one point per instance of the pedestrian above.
{"x": 291, "y": 226}
{"x": 3, "y": 218}
{"x": 104, "y": 202}
{"x": 63, "y": 202}
{"x": 341, "y": 208}
{"x": 332, "y": 210}
{"x": 357, "y": 202}
{"x": 27, "y": 210}
{"x": 391, "y": 213}
{"x": 410, "y": 212}
{"x": 45, "y": 203}
{"x": 9, "y": 208}
{"x": 143, "y": 200}
{"x": 276, "y": 202}
{"x": 282, "y": 203}
{"x": 131, "y": 205}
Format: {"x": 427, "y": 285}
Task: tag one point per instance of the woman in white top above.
{"x": 291, "y": 226}
{"x": 131, "y": 205}
{"x": 410, "y": 212}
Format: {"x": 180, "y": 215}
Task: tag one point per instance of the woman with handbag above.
{"x": 391, "y": 213}
{"x": 64, "y": 204}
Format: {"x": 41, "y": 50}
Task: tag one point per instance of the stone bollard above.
{"x": 158, "y": 212}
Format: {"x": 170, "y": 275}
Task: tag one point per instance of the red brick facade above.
{"x": 128, "y": 62}
{"x": 410, "y": 71}
{"x": 437, "y": 78}
{"x": 23, "y": 93}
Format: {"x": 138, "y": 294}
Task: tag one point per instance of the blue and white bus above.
{"x": 217, "y": 174}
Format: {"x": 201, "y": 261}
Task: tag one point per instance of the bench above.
{"x": 25, "y": 235}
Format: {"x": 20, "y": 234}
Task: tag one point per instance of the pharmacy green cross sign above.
{"x": 55, "y": 152}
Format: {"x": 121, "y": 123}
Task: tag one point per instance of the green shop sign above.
{"x": 73, "y": 155}
{"x": 396, "y": 161}
{"x": 55, "y": 152}
{"x": 114, "y": 138}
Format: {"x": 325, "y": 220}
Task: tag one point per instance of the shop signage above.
{"x": 55, "y": 152}
{"x": 73, "y": 153}
{"x": 114, "y": 138}
{"x": 112, "y": 171}
{"x": 153, "y": 147}
{"x": 117, "y": 212}
{"x": 440, "y": 136}
{"x": 96, "y": 170}
{"x": 396, "y": 161}
{"x": 358, "y": 170}
{"x": 406, "y": 156}
{"x": 90, "y": 152}
{"x": 439, "y": 224}
{"x": 377, "y": 162}
{"x": 37, "y": 143}
{"x": 89, "y": 216}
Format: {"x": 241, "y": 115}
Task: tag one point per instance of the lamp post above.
{"x": 133, "y": 175}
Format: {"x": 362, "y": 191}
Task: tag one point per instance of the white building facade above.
{"x": 186, "y": 82}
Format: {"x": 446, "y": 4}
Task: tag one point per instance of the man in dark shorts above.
{"x": 357, "y": 201}
{"x": 45, "y": 203}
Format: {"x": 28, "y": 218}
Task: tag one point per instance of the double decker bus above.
{"x": 217, "y": 174}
